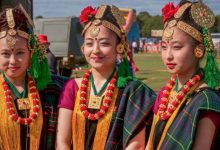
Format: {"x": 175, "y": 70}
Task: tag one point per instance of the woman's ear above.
{"x": 199, "y": 51}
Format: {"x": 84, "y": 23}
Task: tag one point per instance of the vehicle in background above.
{"x": 64, "y": 35}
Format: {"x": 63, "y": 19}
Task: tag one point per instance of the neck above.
{"x": 100, "y": 76}
{"x": 183, "y": 78}
{"x": 18, "y": 81}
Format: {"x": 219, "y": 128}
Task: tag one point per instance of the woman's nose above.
{"x": 169, "y": 54}
{"x": 96, "y": 48}
{"x": 12, "y": 59}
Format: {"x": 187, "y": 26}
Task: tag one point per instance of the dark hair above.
{"x": 19, "y": 18}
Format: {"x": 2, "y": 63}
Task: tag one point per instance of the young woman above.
{"x": 187, "y": 109}
{"x": 28, "y": 115}
{"x": 107, "y": 108}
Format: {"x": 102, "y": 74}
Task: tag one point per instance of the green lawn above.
{"x": 152, "y": 71}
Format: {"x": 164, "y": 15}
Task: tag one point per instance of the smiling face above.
{"x": 14, "y": 62}
{"x": 178, "y": 54}
{"x": 100, "y": 51}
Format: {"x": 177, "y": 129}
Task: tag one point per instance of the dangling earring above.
{"x": 199, "y": 51}
{"x": 120, "y": 48}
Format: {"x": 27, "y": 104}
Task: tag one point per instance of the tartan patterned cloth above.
{"x": 49, "y": 99}
{"x": 133, "y": 113}
{"x": 181, "y": 134}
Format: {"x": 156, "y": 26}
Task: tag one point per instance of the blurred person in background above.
{"x": 50, "y": 56}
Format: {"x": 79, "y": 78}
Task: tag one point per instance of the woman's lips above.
{"x": 96, "y": 59}
{"x": 171, "y": 65}
{"x": 13, "y": 68}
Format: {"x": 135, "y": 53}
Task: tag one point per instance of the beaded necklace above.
{"x": 11, "y": 108}
{"x": 166, "y": 107}
{"x": 84, "y": 94}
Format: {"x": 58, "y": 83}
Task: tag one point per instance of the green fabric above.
{"x": 39, "y": 69}
{"x": 124, "y": 73}
{"x": 103, "y": 86}
{"x": 134, "y": 112}
{"x": 181, "y": 133}
{"x": 211, "y": 72}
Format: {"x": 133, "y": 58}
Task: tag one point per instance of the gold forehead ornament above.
{"x": 11, "y": 32}
{"x": 169, "y": 30}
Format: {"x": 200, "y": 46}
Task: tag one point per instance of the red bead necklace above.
{"x": 10, "y": 107}
{"x": 166, "y": 108}
{"x": 106, "y": 102}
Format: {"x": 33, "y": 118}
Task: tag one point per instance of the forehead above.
{"x": 179, "y": 35}
{"x": 20, "y": 43}
{"x": 103, "y": 32}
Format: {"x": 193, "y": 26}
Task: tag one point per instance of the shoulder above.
{"x": 138, "y": 87}
{"x": 72, "y": 83}
{"x": 207, "y": 99}
{"x": 137, "y": 84}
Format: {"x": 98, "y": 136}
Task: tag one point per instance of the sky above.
{"x": 67, "y": 8}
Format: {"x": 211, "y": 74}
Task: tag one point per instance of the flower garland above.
{"x": 106, "y": 102}
{"x": 166, "y": 108}
{"x": 12, "y": 110}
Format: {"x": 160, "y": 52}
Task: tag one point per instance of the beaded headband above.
{"x": 98, "y": 19}
{"x": 200, "y": 14}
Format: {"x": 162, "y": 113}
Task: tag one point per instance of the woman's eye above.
{"x": 5, "y": 54}
{"x": 89, "y": 44}
{"x": 20, "y": 52}
{"x": 163, "y": 47}
{"x": 105, "y": 44}
{"x": 177, "y": 47}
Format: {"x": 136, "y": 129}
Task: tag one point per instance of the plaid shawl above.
{"x": 133, "y": 113}
{"x": 181, "y": 134}
{"x": 49, "y": 98}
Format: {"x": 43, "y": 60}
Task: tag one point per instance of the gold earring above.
{"x": 199, "y": 51}
{"x": 120, "y": 48}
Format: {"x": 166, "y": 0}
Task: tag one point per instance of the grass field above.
{"x": 152, "y": 71}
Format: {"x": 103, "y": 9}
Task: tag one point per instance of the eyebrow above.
{"x": 99, "y": 39}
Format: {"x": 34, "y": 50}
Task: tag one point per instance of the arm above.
{"x": 137, "y": 142}
{"x": 64, "y": 129}
{"x": 206, "y": 128}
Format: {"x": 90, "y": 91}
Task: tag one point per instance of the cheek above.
{"x": 163, "y": 54}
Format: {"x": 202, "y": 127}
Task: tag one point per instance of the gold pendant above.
{"x": 23, "y": 104}
{"x": 95, "y": 102}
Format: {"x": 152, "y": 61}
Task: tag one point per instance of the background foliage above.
{"x": 148, "y": 23}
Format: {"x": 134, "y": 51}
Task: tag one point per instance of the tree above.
{"x": 148, "y": 23}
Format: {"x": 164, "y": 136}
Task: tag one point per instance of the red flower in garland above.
{"x": 168, "y": 11}
{"x": 86, "y": 14}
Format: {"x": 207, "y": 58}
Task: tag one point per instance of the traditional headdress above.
{"x": 111, "y": 18}
{"x": 16, "y": 22}
{"x": 195, "y": 19}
